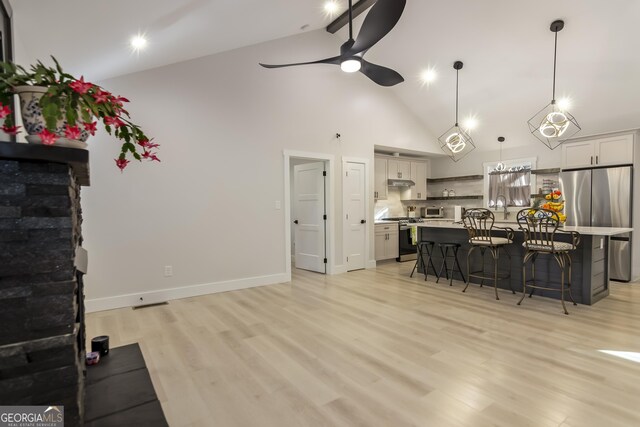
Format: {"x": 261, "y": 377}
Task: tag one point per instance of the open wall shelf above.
{"x": 545, "y": 171}
{"x": 455, "y": 178}
{"x": 477, "y": 197}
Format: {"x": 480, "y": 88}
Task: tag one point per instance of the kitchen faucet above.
{"x": 506, "y": 212}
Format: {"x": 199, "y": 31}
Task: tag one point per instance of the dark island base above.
{"x": 590, "y": 268}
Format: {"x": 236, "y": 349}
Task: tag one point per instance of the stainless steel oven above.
{"x": 407, "y": 250}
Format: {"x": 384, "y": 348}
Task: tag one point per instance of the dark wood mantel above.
{"x": 78, "y": 159}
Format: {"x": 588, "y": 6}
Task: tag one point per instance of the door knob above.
{"x": 362, "y": 221}
{"x": 295, "y": 222}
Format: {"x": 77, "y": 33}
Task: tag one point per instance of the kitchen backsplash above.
{"x": 391, "y": 207}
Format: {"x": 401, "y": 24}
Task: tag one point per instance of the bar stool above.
{"x": 479, "y": 225}
{"x": 449, "y": 250}
{"x": 540, "y": 227}
{"x": 425, "y": 247}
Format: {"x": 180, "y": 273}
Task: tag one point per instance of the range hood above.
{"x": 400, "y": 183}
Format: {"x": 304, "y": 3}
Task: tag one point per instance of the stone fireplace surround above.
{"x": 41, "y": 267}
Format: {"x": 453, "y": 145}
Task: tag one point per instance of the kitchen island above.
{"x": 590, "y": 261}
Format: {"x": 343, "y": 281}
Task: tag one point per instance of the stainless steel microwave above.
{"x": 432, "y": 212}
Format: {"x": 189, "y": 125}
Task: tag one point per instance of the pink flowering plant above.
{"x": 80, "y": 104}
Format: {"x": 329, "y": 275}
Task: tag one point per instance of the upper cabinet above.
{"x": 609, "y": 151}
{"x": 387, "y": 167}
{"x": 398, "y": 169}
{"x": 419, "y": 176}
{"x": 380, "y": 178}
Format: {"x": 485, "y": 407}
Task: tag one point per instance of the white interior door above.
{"x": 308, "y": 216}
{"x": 355, "y": 215}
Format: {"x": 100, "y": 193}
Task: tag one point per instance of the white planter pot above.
{"x": 33, "y": 120}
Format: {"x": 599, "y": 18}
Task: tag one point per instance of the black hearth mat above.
{"x": 119, "y": 392}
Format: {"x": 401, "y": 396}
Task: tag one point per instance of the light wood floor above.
{"x": 375, "y": 348}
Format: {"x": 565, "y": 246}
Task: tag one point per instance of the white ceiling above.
{"x": 506, "y": 47}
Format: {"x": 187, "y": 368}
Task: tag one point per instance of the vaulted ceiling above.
{"x": 506, "y": 47}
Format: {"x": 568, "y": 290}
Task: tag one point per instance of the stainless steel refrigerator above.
{"x": 602, "y": 198}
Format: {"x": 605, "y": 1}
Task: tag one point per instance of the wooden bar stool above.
{"x": 425, "y": 248}
{"x": 540, "y": 227}
{"x": 449, "y": 250}
{"x": 479, "y": 224}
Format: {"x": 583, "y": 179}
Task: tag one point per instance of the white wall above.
{"x": 23, "y": 57}
{"x": 208, "y": 208}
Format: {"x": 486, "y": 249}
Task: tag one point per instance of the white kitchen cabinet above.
{"x": 380, "y": 178}
{"x": 609, "y": 151}
{"x": 398, "y": 169}
{"x": 386, "y": 241}
{"x": 419, "y": 176}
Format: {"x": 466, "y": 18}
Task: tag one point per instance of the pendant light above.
{"x": 500, "y": 167}
{"x": 553, "y": 124}
{"x": 456, "y": 143}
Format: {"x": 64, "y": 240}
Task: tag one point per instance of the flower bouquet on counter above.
{"x": 553, "y": 202}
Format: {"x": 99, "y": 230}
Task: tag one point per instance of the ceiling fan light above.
{"x": 350, "y": 65}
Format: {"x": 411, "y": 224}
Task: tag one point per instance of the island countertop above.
{"x": 587, "y": 231}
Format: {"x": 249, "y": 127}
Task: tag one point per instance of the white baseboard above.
{"x": 162, "y": 295}
{"x": 338, "y": 269}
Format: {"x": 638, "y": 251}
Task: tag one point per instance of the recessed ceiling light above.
{"x": 470, "y": 123}
{"x": 428, "y": 76}
{"x": 331, "y": 7}
{"x": 138, "y": 42}
{"x": 564, "y": 103}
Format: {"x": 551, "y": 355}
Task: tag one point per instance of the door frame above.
{"x": 368, "y": 263}
{"x": 329, "y": 159}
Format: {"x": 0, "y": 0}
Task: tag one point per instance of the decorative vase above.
{"x": 33, "y": 120}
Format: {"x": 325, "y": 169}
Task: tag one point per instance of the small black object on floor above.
{"x": 119, "y": 391}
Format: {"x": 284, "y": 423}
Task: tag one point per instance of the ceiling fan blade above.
{"x": 381, "y": 19}
{"x": 382, "y": 75}
{"x": 335, "y": 60}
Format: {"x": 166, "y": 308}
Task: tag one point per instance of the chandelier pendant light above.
{"x": 456, "y": 143}
{"x": 554, "y": 124}
{"x": 500, "y": 167}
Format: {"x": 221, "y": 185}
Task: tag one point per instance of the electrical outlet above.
{"x": 168, "y": 271}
